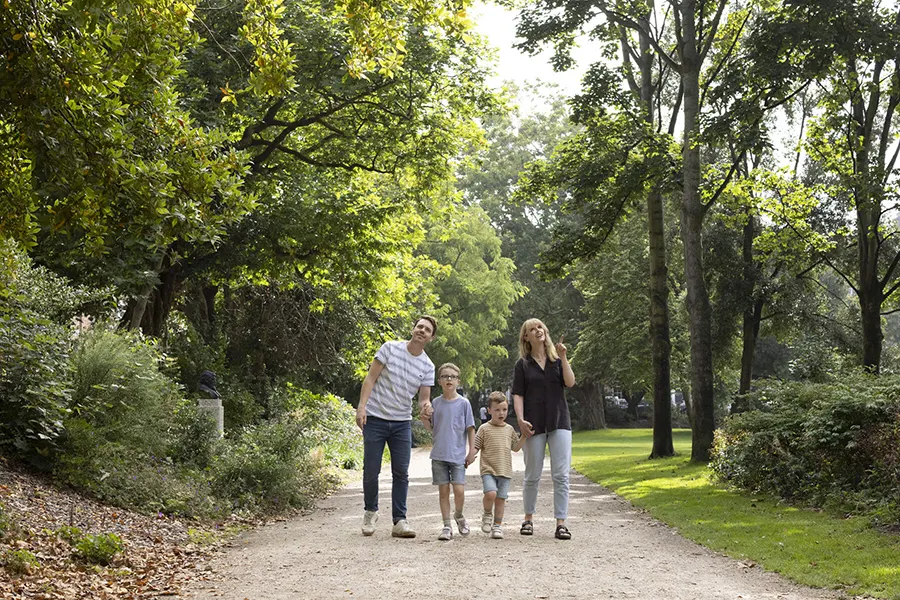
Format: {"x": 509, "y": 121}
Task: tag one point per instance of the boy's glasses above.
{"x": 449, "y": 377}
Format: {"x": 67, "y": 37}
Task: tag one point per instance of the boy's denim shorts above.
{"x": 443, "y": 472}
{"x": 492, "y": 483}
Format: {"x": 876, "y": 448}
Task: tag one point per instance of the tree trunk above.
{"x": 661, "y": 346}
{"x": 660, "y": 343}
{"x": 590, "y": 399}
{"x": 752, "y": 318}
{"x": 692, "y": 213}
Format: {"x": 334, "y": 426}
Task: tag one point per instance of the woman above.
{"x": 539, "y": 378}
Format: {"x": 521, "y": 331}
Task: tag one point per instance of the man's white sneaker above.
{"x": 487, "y": 519}
{"x": 446, "y": 534}
{"x": 369, "y": 521}
{"x": 402, "y": 530}
{"x": 496, "y": 532}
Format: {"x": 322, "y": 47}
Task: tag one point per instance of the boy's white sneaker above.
{"x": 446, "y": 534}
{"x": 496, "y": 532}
{"x": 369, "y": 520}
{"x": 487, "y": 519}
{"x": 462, "y": 525}
{"x": 402, "y": 530}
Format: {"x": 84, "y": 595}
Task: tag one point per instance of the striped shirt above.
{"x": 399, "y": 381}
{"x": 496, "y": 444}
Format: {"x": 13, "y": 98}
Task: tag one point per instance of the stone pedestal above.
{"x": 213, "y": 407}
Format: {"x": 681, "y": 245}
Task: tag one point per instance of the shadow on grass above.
{"x": 809, "y": 546}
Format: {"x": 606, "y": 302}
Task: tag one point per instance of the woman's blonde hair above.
{"x": 525, "y": 346}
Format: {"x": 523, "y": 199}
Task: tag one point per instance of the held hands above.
{"x": 560, "y": 347}
{"x": 425, "y": 411}
{"x": 526, "y": 428}
{"x": 471, "y": 458}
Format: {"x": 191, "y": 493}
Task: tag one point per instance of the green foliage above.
{"x": 823, "y": 443}
{"x": 99, "y": 549}
{"x": 7, "y": 523}
{"x": 70, "y": 533}
{"x": 20, "y": 562}
{"x": 34, "y": 372}
{"x": 120, "y": 392}
{"x": 476, "y": 287}
{"x": 328, "y": 423}
{"x": 809, "y": 546}
{"x": 268, "y": 468}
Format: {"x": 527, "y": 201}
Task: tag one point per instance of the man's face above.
{"x": 423, "y": 331}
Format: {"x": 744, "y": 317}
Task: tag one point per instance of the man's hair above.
{"x": 448, "y": 366}
{"x": 431, "y": 320}
{"x": 496, "y": 398}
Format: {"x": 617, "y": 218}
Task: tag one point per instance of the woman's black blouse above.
{"x": 543, "y": 390}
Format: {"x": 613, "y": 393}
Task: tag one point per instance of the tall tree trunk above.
{"x": 661, "y": 346}
{"x": 660, "y": 342}
{"x": 692, "y": 213}
{"x": 752, "y": 317}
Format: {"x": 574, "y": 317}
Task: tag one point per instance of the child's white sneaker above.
{"x": 369, "y": 521}
{"x": 446, "y": 534}
{"x": 496, "y": 532}
{"x": 487, "y": 519}
{"x": 462, "y": 525}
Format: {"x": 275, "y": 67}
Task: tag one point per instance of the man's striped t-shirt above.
{"x": 400, "y": 380}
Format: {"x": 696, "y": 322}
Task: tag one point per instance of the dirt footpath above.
{"x": 616, "y": 551}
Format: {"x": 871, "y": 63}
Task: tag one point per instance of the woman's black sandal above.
{"x": 562, "y": 533}
{"x": 527, "y": 528}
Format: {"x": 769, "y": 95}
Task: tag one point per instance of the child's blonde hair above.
{"x": 496, "y": 398}
{"x": 448, "y": 365}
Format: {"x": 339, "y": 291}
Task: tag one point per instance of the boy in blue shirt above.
{"x": 453, "y": 426}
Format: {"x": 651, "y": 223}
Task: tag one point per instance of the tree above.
{"x": 475, "y": 287}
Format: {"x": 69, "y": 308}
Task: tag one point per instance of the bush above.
{"x": 20, "y": 562}
{"x": 269, "y": 467}
{"x": 99, "y": 549}
{"x": 822, "y": 443}
{"x": 328, "y": 423}
{"x": 34, "y": 377}
{"x": 132, "y": 440}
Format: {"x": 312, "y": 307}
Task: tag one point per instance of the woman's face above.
{"x": 535, "y": 334}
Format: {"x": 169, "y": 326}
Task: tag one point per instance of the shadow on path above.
{"x": 616, "y": 552}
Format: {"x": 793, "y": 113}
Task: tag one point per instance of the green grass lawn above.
{"x": 810, "y": 547}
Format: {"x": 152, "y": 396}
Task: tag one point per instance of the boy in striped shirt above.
{"x": 496, "y": 440}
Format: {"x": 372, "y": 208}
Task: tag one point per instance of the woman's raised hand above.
{"x": 560, "y": 347}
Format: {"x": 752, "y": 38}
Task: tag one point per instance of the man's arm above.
{"x": 368, "y": 383}
{"x": 425, "y": 409}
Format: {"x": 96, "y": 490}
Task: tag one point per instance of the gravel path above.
{"x": 616, "y": 551}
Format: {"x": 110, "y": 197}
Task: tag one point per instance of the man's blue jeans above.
{"x": 398, "y": 436}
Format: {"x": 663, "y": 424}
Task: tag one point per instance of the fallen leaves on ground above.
{"x": 158, "y": 556}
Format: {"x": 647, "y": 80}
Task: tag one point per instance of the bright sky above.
{"x": 498, "y": 24}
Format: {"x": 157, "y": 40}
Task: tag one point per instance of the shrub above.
{"x": 69, "y": 533}
{"x": 99, "y": 549}
{"x": 194, "y": 436}
{"x": 20, "y": 562}
{"x": 269, "y": 467}
{"x": 823, "y": 443}
{"x": 8, "y": 525}
{"x": 329, "y": 424}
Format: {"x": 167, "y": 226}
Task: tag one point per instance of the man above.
{"x": 400, "y": 370}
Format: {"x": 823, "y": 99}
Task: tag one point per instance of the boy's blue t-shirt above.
{"x": 449, "y": 422}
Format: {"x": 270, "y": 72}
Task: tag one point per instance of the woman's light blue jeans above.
{"x": 560, "y": 444}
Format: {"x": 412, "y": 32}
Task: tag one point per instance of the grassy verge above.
{"x": 808, "y": 546}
